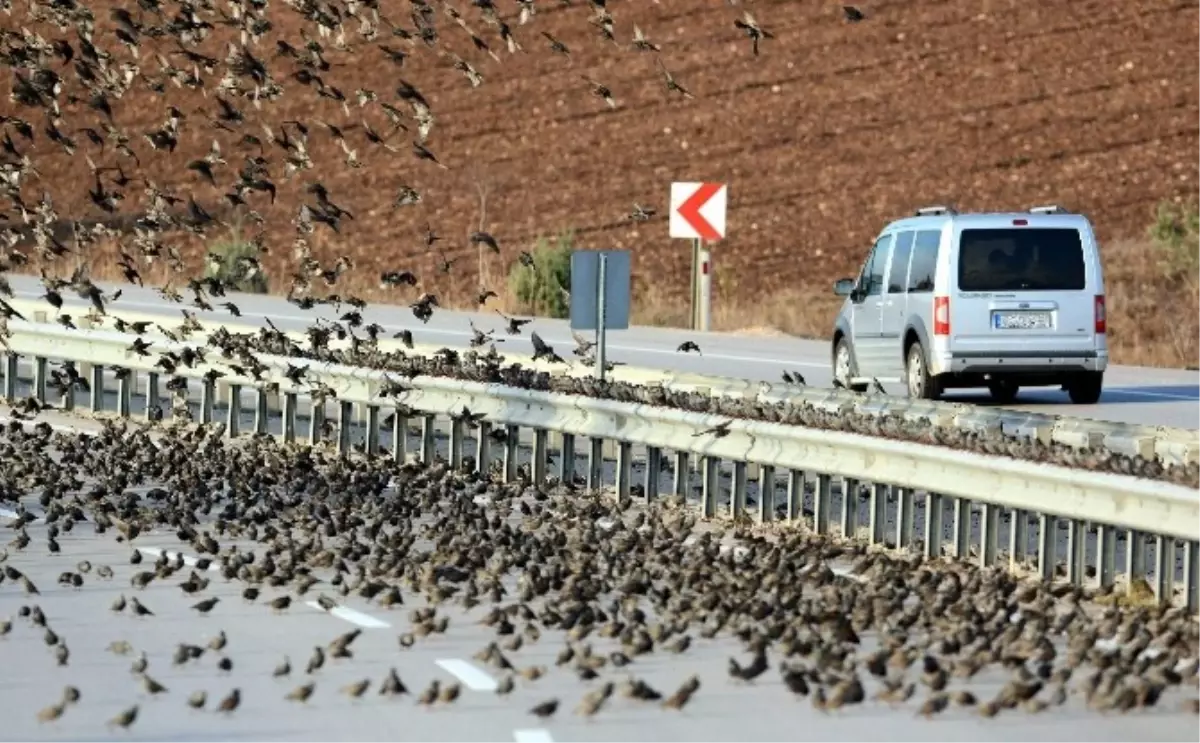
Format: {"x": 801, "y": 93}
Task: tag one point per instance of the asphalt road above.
{"x": 258, "y": 639}
{"x": 1141, "y": 395}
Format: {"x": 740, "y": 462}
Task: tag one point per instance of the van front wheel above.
{"x": 1085, "y": 388}
{"x": 920, "y": 385}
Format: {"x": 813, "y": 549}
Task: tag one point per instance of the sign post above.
{"x": 600, "y": 296}
{"x": 698, "y": 214}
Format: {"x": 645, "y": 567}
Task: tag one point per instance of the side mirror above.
{"x": 843, "y": 287}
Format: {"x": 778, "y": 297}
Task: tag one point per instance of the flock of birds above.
{"x": 537, "y": 564}
{"x": 285, "y": 520}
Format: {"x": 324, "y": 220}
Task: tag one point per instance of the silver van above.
{"x": 1003, "y": 301}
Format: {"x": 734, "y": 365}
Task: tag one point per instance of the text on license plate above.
{"x": 1021, "y": 320}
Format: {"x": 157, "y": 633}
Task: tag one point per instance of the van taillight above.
{"x": 941, "y": 315}
{"x": 1101, "y": 316}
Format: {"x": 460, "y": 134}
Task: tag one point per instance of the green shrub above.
{"x": 1176, "y": 235}
{"x": 542, "y": 289}
{"x": 231, "y": 271}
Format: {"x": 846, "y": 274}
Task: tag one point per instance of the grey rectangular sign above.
{"x": 585, "y": 289}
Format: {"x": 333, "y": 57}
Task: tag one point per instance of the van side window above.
{"x": 872, "y": 279}
{"x": 924, "y": 261}
{"x": 898, "y": 273}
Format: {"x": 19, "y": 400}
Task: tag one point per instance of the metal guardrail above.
{"x": 1162, "y": 515}
{"x": 1171, "y": 446}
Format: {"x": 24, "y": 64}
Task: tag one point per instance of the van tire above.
{"x": 917, "y": 382}
{"x": 1085, "y": 388}
{"x": 1003, "y": 390}
{"x": 843, "y": 347}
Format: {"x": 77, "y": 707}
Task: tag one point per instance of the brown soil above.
{"x": 833, "y": 130}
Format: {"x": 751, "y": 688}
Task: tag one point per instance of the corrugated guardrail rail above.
{"x": 965, "y": 496}
{"x": 1169, "y": 446}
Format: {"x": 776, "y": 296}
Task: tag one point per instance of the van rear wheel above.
{"x": 920, "y": 385}
{"x": 1003, "y": 390}
{"x": 1085, "y": 388}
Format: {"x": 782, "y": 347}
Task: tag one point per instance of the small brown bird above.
{"x": 450, "y": 692}
{"x": 505, "y": 686}
{"x": 138, "y": 609}
{"x": 197, "y": 700}
{"x": 357, "y": 689}
{"x": 545, "y": 709}
{"x": 206, "y": 605}
{"x": 430, "y": 695}
{"x": 52, "y": 713}
{"x": 230, "y": 702}
{"x": 125, "y": 718}
{"x": 281, "y": 603}
{"x": 283, "y": 669}
{"x": 301, "y": 693}
{"x": 935, "y": 704}
{"x": 392, "y": 685}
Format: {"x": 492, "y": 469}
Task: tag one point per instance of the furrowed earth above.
{"x": 833, "y": 129}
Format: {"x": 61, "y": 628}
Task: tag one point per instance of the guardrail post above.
{"x": 97, "y": 385}
{"x": 934, "y": 526}
{"x": 1164, "y": 569}
{"x": 399, "y": 437}
{"x": 962, "y": 528}
{"x": 512, "y": 445}
{"x": 429, "y": 439}
{"x": 208, "y": 394}
{"x": 595, "y": 465}
{"x": 1106, "y": 555}
{"x": 624, "y": 469}
{"x": 566, "y": 458}
{"x": 316, "y": 420}
{"x": 1076, "y": 537}
{"x": 540, "y": 453}
{"x": 68, "y": 397}
{"x": 39, "y": 378}
{"x": 483, "y": 447}
{"x": 1135, "y": 558}
{"x": 289, "y": 417}
{"x": 653, "y": 473}
{"x": 372, "y": 438}
{"x": 737, "y": 490}
{"x": 151, "y": 394}
{"x": 709, "y": 484}
{"x": 262, "y": 410}
{"x": 454, "y": 443}
{"x": 794, "y": 495}
{"x": 849, "y": 507}
{"x": 1191, "y": 586}
{"x": 877, "y": 518}
{"x": 1018, "y": 538}
{"x": 1047, "y": 540}
{"x": 124, "y": 390}
{"x": 906, "y": 517}
{"x": 345, "y": 426}
{"x": 233, "y": 415}
{"x": 989, "y": 534}
{"x": 682, "y": 476}
{"x": 10, "y": 376}
{"x": 766, "y": 493}
{"x": 822, "y": 502}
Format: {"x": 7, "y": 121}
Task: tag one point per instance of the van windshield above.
{"x": 1020, "y": 259}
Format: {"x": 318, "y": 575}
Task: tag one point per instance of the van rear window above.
{"x": 1020, "y": 259}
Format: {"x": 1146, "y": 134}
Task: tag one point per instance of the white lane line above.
{"x": 474, "y": 678}
{"x": 156, "y": 552}
{"x": 352, "y": 616}
{"x": 1148, "y": 393}
{"x": 532, "y": 735}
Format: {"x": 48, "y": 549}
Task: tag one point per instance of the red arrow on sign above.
{"x": 690, "y": 211}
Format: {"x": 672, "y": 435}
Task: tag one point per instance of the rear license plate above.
{"x": 1021, "y": 320}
